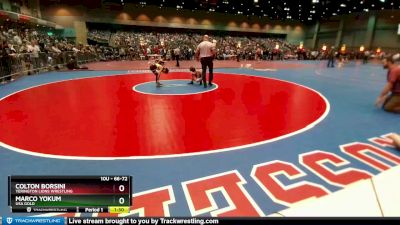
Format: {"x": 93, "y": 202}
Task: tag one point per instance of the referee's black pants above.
{"x": 177, "y": 60}
{"x": 207, "y": 62}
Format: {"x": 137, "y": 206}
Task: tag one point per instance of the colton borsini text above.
{"x": 40, "y": 189}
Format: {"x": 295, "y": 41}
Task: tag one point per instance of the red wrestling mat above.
{"x": 104, "y": 117}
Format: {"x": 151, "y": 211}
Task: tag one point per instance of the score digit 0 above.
{"x": 121, "y": 188}
{"x": 121, "y": 200}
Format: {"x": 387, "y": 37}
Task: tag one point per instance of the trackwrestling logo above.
{"x": 34, "y": 221}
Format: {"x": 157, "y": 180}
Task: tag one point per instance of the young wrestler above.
{"x": 157, "y": 67}
{"x": 196, "y": 75}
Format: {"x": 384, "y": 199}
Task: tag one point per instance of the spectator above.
{"x": 5, "y": 62}
{"x": 34, "y": 49}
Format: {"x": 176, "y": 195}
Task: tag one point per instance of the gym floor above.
{"x": 265, "y": 137}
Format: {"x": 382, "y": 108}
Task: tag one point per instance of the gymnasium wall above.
{"x": 381, "y": 26}
{"x": 26, "y": 7}
{"x": 67, "y": 15}
{"x": 5, "y": 5}
{"x": 386, "y": 31}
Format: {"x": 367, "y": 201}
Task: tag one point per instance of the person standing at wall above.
{"x": 177, "y": 53}
{"x": 366, "y": 56}
{"x": 331, "y": 57}
{"x": 238, "y": 54}
{"x": 5, "y": 62}
{"x": 205, "y": 52}
{"x": 34, "y": 49}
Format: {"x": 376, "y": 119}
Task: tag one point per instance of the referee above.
{"x": 205, "y": 52}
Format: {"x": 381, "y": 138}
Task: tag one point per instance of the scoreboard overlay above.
{"x": 88, "y": 194}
